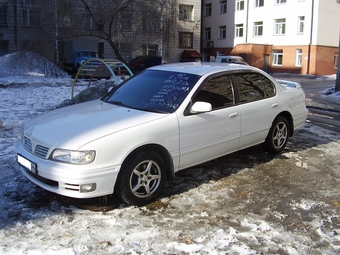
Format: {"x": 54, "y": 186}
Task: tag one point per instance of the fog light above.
{"x": 88, "y": 187}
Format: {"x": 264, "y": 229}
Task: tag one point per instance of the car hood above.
{"x": 74, "y": 126}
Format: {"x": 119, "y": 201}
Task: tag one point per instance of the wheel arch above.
{"x": 289, "y": 118}
{"x": 160, "y": 150}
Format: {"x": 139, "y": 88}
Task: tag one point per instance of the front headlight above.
{"x": 73, "y": 157}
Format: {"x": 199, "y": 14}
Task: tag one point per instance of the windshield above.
{"x": 152, "y": 90}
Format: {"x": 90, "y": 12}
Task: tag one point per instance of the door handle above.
{"x": 233, "y": 115}
{"x": 275, "y": 105}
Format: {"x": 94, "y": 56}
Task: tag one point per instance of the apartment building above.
{"x": 295, "y": 36}
{"x": 171, "y": 30}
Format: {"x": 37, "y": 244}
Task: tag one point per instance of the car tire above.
{"x": 278, "y": 135}
{"x": 141, "y": 178}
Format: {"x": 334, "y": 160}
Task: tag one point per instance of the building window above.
{"x": 125, "y": 20}
{"x": 336, "y": 60}
{"x": 258, "y": 28}
{"x": 208, "y": 10}
{"x": 280, "y": 1}
{"x": 277, "y": 57}
{"x": 3, "y": 16}
{"x": 186, "y": 40}
{"x": 150, "y": 50}
{"x": 151, "y": 25}
{"x": 31, "y": 17}
{"x": 3, "y": 47}
{"x": 298, "y": 57}
{"x": 280, "y": 27}
{"x": 223, "y": 32}
{"x": 223, "y": 6}
{"x": 186, "y": 12}
{"x": 259, "y": 3}
{"x": 239, "y": 5}
{"x": 125, "y": 51}
{"x": 301, "y": 24}
{"x": 207, "y": 33}
{"x": 100, "y": 50}
{"x": 239, "y": 30}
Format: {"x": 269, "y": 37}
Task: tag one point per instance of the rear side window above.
{"x": 253, "y": 87}
{"x": 269, "y": 87}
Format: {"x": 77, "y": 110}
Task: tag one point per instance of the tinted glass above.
{"x": 250, "y": 87}
{"x": 216, "y": 91}
{"x": 269, "y": 87}
{"x": 158, "y": 91}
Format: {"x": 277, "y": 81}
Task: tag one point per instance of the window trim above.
{"x": 298, "y": 57}
{"x": 280, "y": 26}
{"x": 239, "y": 30}
{"x": 276, "y": 57}
{"x": 183, "y": 46}
{"x": 301, "y": 25}
{"x": 257, "y": 27}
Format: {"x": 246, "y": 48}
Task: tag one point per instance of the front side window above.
{"x": 217, "y": 91}
{"x": 239, "y": 30}
{"x": 277, "y": 57}
{"x": 280, "y": 27}
{"x": 152, "y": 90}
{"x": 223, "y": 32}
{"x": 301, "y": 24}
{"x": 258, "y": 28}
{"x": 223, "y": 6}
{"x": 239, "y": 5}
{"x": 186, "y": 12}
{"x": 186, "y": 40}
{"x": 31, "y": 17}
{"x": 298, "y": 57}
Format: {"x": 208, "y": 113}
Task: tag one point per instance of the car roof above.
{"x": 231, "y": 57}
{"x": 201, "y": 68}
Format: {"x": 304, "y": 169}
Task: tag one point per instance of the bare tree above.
{"x": 118, "y": 22}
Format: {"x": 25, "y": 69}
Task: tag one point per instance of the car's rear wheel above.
{"x": 142, "y": 178}
{"x": 278, "y": 135}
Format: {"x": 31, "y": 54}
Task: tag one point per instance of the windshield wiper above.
{"x": 120, "y": 103}
{"x": 150, "y": 110}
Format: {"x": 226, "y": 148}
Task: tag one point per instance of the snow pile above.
{"x": 26, "y": 63}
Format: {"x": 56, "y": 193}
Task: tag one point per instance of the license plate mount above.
{"x": 31, "y": 166}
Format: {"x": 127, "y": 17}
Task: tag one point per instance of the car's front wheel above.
{"x": 278, "y": 136}
{"x": 142, "y": 178}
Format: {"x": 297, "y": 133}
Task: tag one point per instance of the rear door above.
{"x": 258, "y": 106}
{"x": 208, "y": 135}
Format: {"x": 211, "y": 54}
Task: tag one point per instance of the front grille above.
{"x": 41, "y": 151}
{"x": 36, "y": 149}
{"x": 27, "y": 144}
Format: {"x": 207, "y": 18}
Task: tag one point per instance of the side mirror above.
{"x": 199, "y": 107}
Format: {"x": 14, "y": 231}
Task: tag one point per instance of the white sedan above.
{"x": 166, "y": 119}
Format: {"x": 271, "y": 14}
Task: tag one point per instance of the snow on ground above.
{"x": 217, "y": 213}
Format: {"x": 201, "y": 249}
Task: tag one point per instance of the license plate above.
{"x": 27, "y": 164}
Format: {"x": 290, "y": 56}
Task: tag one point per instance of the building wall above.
{"x": 15, "y": 36}
{"x": 318, "y": 42}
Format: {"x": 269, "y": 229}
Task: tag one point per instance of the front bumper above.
{"x": 67, "y": 179}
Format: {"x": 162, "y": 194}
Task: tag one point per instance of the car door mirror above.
{"x": 199, "y": 107}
